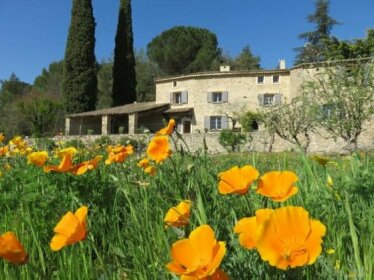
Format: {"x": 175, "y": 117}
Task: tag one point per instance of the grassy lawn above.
{"x": 126, "y": 235}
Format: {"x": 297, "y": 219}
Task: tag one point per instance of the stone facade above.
{"x": 240, "y": 91}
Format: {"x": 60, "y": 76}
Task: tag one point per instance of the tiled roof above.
{"x": 124, "y": 109}
{"x": 219, "y": 74}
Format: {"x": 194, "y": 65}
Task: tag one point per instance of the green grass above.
{"x": 126, "y": 236}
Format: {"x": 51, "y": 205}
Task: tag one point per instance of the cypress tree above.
{"x": 124, "y": 78}
{"x": 79, "y": 77}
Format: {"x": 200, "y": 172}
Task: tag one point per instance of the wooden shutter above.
{"x": 277, "y": 99}
{"x": 210, "y": 97}
{"x": 184, "y": 97}
{"x": 224, "y": 122}
{"x": 207, "y": 122}
{"x": 260, "y": 99}
{"x": 171, "y": 97}
{"x": 225, "y": 96}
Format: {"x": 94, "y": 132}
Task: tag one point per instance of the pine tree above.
{"x": 124, "y": 78}
{"x": 316, "y": 40}
{"x": 79, "y": 79}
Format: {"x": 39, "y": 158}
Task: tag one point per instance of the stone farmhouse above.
{"x": 199, "y": 102}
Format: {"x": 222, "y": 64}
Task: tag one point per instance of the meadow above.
{"x": 127, "y": 237}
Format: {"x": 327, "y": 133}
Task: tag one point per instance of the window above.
{"x": 174, "y": 83}
{"x": 216, "y": 97}
{"x": 260, "y": 80}
{"x": 215, "y": 122}
{"x": 179, "y": 97}
{"x": 269, "y": 99}
{"x": 276, "y": 79}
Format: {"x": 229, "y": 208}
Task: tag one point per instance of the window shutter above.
{"x": 277, "y": 99}
{"x": 184, "y": 96}
{"x": 171, "y": 97}
{"x": 210, "y": 97}
{"x": 207, "y": 122}
{"x": 225, "y": 96}
{"x": 224, "y": 122}
{"x": 260, "y": 99}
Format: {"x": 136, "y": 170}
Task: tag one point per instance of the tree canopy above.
{"x": 50, "y": 80}
{"x": 315, "y": 40}
{"x": 184, "y": 49}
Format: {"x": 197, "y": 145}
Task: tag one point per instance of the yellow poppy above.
{"x": 329, "y": 181}
{"x": 83, "y": 167}
{"x": 11, "y": 249}
{"x": 70, "y": 229}
{"x": 151, "y": 170}
{"x": 37, "y": 158}
{"x": 198, "y": 256}
{"x": 180, "y": 215}
{"x": 247, "y": 228}
{"x": 237, "y": 180}
{"x": 168, "y": 129}
{"x": 159, "y": 149}
{"x": 2, "y": 137}
{"x": 289, "y": 238}
{"x": 321, "y": 160}
{"x": 278, "y": 185}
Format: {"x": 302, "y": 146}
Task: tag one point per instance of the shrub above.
{"x": 231, "y": 141}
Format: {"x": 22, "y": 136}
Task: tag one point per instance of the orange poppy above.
{"x": 289, "y": 238}
{"x": 219, "y": 274}
{"x": 4, "y": 151}
{"x": 159, "y": 149}
{"x": 151, "y": 170}
{"x": 2, "y": 137}
{"x": 168, "y": 129}
{"x": 119, "y": 153}
{"x": 37, "y": 158}
{"x": 70, "y": 229}
{"x": 66, "y": 163}
{"x": 198, "y": 256}
{"x": 83, "y": 167}
{"x": 11, "y": 249}
{"x": 237, "y": 180}
{"x": 144, "y": 163}
{"x": 247, "y": 228}
{"x": 180, "y": 215}
{"x": 278, "y": 185}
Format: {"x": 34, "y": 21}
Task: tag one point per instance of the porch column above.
{"x": 67, "y": 126}
{"x": 133, "y": 122}
{"x": 105, "y": 125}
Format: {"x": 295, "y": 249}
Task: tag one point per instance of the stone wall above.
{"x": 321, "y": 143}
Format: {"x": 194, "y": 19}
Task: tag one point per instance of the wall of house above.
{"x": 151, "y": 121}
{"x": 80, "y": 126}
{"x": 242, "y": 91}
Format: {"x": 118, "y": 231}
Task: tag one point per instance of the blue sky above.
{"x": 33, "y": 32}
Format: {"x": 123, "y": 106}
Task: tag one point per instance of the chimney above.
{"x": 224, "y": 68}
{"x": 282, "y": 64}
